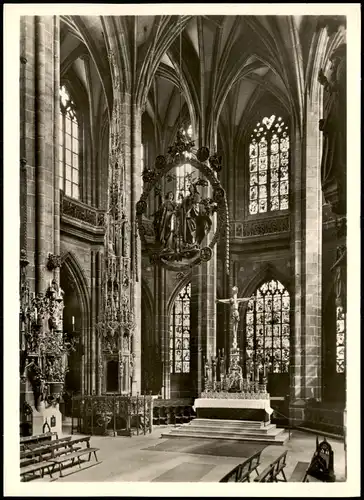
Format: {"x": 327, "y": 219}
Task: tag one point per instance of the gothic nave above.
{"x": 166, "y": 163}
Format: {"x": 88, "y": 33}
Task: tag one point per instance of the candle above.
{"x": 73, "y": 320}
{"x": 35, "y": 314}
{"x": 264, "y": 371}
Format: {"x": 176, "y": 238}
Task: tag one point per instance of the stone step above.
{"x": 268, "y": 429}
{"x": 251, "y": 424}
{"x": 228, "y": 432}
{"x": 279, "y": 439}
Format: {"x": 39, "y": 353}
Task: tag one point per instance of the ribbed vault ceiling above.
{"x": 221, "y": 64}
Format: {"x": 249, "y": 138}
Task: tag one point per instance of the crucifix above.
{"x": 234, "y": 302}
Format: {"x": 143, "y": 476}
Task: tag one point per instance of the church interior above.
{"x": 182, "y": 245}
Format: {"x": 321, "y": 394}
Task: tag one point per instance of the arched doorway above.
{"x": 74, "y": 327}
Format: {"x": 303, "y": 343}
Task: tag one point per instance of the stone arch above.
{"x": 72, "y": 271}
{"x": 266, "y": 272}
{"x": 278, "y": 383}
{"x": 175, "y": 292}
{"x": 75, "y": 271}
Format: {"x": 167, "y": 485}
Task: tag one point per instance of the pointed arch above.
{"x": 180, "y": 285}
{"x": 179, "y": 332}
{"x": 147, "y": 296}
{"x": 75, "y": 271}
{"x": 267, "y": 271}
{"x": 267, "y": 338}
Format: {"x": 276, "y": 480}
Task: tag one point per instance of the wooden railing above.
{"x": 112, "y": 414}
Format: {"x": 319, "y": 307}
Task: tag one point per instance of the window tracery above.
{"x": 69, "y": 165}
{"x": 267, "y": 326}
{"x": 179, "y": 338}
{"x": 269, "y": 166}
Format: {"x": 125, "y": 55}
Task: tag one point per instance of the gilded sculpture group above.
{"x": 181, "y": 226}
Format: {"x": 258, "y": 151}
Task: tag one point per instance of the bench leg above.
{"x": 60, "y": 469}
{"x": 89, "y": 456}
{"x": 79, "y": 462}
{"x": 49, "y": 470}
{"x": 284, "y": 476}
{"x": 95, "y": 456}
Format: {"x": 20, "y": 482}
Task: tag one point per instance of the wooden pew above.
{"x": 74, "y": 453}
{"x": 39, "y": 457}
{"x": 25, "y": 442}
{"x": 241, "y": 473}
{"x": 271, "y": 473}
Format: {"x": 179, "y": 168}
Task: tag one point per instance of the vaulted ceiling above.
{"x": 208, "y": 69}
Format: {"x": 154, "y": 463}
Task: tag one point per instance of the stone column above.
{"x": 307, "y": 241}
{"x": 135, "y": 192}
{"x": 203, "y": 301}
{"x": 203, "y": 316}
{"x": 39, "y": 90}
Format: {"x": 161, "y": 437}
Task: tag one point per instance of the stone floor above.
{"x": 125, "y": 459}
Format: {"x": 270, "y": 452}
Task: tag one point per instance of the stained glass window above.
{"x": 340, "y": 340}
{"x": 69, "y": 167}
{"x": 184, "y": 172}
{"x": 267, "y": 327}
{"x": 179, "y": 329}
{"x": 269, "y": 166}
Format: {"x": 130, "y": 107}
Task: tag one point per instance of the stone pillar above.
{"x": 163, "y": 329}
{"x": 39, "y": 94}
{"x": 203, "y": 298}
{"x": 203, "y": 315}
{"x": 135, "y": 192}
{"x": 307, "y": 241}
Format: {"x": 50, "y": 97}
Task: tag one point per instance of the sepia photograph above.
{"x": 182, "y": 307}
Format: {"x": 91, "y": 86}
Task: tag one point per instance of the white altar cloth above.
{"x": 256, "y": 404}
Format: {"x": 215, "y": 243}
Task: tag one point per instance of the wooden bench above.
{"x": 40, "y": 450}
{"x": 299, "y": 475}
{"x": 48, "y": 443}
{"x": 27, "y": 441}
{"x": 271, "y": 473}
{"x": 74, "y": 453}
{"x": 38, "y": 459}
{"x": 241, "y": 473}
{"x": 36, "y": 467}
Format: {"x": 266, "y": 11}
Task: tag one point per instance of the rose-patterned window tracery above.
{"x": 179, "y": 332}
{"x": 69, "y": 166}
{"x": 269, "y": 166}
{"x": 267, "y": 326}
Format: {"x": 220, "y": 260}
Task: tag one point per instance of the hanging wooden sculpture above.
{"x": 181, "y": 225}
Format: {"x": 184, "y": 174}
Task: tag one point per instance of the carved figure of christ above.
{"x": 234, "y": 302}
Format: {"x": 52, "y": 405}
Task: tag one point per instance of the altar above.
{"x": 233, "y": 408}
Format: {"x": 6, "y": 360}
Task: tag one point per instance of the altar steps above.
{"x": 230, "y": 429}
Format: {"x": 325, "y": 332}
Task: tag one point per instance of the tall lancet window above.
{"x": 69, "y": 167}
{"x": 269, "y": 166}
{"x": 184, "y": 172}
{"x": 267, "y": 326}
{"x": 179, "y": 332}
